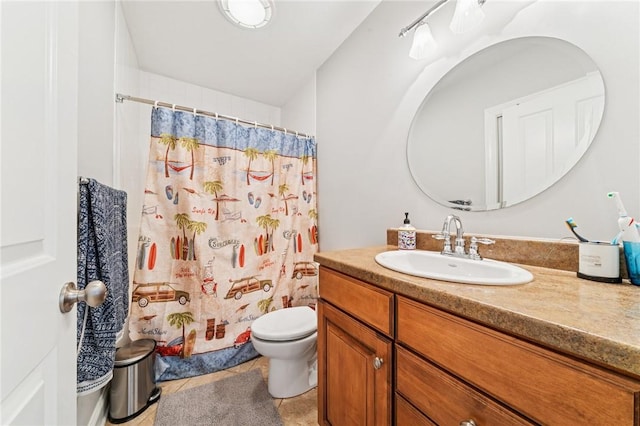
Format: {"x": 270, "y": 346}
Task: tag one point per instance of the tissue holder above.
{"x": 600, "y": 261}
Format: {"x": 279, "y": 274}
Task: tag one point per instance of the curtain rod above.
{"x": 120, "y": 98}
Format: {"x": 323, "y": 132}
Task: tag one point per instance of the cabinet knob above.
{"x": 469, "y": 422}
{"x": 377, "y": 363}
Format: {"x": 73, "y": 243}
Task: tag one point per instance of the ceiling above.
{"x": 191, "y": 41}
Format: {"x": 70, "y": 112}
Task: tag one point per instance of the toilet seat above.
{"x": 286, "y": 324}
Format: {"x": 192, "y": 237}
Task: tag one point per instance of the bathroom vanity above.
{"x": 403, "y": 350}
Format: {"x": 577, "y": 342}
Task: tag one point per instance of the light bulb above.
{"x": 423, "y": 42}
{"x": 248, "y": 12}
{"x": 467, "y": 15}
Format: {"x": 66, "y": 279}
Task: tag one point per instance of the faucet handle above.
{"x": 485, "y": 241}
{"x": 447, "y": 241}
{"x": 473, "y": 247}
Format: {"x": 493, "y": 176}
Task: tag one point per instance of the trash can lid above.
{"x": 134, "y": 351}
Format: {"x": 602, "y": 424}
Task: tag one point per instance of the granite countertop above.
{"x": 594, "y": 321}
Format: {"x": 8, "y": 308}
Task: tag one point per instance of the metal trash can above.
{"x": 133, "y": 387}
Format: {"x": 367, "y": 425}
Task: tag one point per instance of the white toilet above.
{"x": 288, "y": 338}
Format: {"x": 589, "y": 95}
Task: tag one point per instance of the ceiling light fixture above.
{"x": 467, "y": 15}
{"x": 247, "y": 13}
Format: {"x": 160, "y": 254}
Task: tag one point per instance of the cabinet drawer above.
{"x": 446, "y": 400}
{"x": 546, "y": 387}
{"x": 407, "y": 414}
{"x": 370, "y": 304}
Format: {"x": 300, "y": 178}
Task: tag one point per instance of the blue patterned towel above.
{"x": 102, "y": 255}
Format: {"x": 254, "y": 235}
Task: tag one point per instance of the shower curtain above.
{"x": 228, "y": 233}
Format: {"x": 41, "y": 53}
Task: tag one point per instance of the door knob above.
{"x": 93, "y": 295}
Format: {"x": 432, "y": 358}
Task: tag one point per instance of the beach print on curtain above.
{"x": 228, "y": 233}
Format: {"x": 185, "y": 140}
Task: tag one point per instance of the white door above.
{"x": 541, "y": 136}
{"x": 38, "y": 128}
{"x": 547, "y": 133}
{"x": 529, "y": 148}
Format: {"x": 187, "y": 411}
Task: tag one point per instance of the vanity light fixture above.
{"x": 423, "y": 42}
{"x": 247, "y": 13}
{"x": 467, "y": 15}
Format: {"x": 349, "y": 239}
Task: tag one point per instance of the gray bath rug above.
{"x": 240, "y": 400}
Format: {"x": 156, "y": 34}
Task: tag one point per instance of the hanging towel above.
{"x": 102, "y": 255}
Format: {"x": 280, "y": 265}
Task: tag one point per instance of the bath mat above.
{"x": 239, "y": 400}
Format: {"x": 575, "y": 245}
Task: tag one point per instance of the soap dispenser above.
{"x": 407, "y": 235}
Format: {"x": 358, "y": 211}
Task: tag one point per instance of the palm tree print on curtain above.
{"x": 231, "y": 216}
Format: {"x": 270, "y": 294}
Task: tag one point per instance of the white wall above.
{"x": 95, "y": 99}
{"x": 299, "y": 113}
{"x": 369, "y": 90}
{"x": 166, "y": 89}
{"x": 130, "y": 155}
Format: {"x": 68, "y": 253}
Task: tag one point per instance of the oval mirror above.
{"x": 506, "y": 123}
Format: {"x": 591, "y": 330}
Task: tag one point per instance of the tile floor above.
{"x": 298, "y": 411}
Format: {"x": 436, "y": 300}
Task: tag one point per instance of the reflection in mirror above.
{"x": 506, "y": 123}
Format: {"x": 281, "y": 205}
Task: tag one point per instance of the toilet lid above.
{"x": 286, "y": 324}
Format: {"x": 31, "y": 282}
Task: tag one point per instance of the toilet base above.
{"x": 289, "y": 378}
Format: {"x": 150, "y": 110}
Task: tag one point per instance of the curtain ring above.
{"x": 236, "y": 121}
{"x": 272, "y": 127}
{"x": 173, "y": 107}
{"x": 296, "y": 134}
{"x": 194, "y": 112}
{"x": 255, "y": 124}
{"x": 285, "y": 130}
{"x": 155, "y": 104}
{"x": 216, "y": 115}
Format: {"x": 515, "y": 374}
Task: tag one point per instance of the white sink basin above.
{"x": 431, "y": 264}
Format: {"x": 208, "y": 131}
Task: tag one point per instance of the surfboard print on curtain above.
{"x": 228, "y": 233}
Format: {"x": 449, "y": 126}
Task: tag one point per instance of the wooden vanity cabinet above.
{"x": 448, "y": 370}
{"x": 355, "y": 352}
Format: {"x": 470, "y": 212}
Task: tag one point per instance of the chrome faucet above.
{"x": 445, "y": 235}
{"x": 459, "y": 250}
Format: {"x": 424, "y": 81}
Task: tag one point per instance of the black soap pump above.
{"x": 407, "y": 235}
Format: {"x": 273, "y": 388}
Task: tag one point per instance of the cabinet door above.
{"x": 354, "y": 366}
